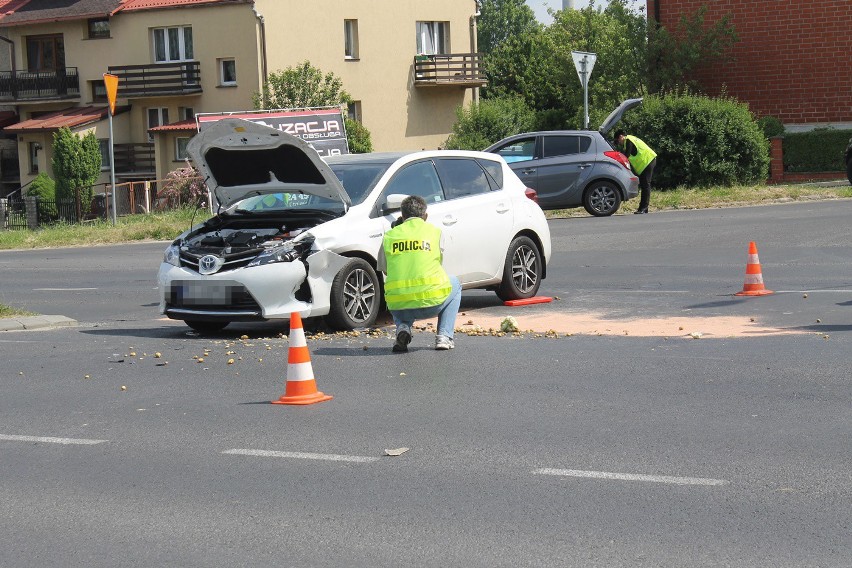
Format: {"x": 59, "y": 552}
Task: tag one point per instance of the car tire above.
{"x": 207, "y": 326}
{"x": 356, "y": 296}
{"x": 601, "y": 199}
{"x": 522, "y": 270}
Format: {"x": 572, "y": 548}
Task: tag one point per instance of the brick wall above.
{"x": 793, "y": 59}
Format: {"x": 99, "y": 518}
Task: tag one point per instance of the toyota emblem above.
{"x": 209, "y": 264}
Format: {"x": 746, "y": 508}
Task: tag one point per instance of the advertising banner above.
{"x": 322, "y": 128}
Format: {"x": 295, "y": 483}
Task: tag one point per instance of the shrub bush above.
{"x": 360, "y": 141}
{"x": 490, "y": 120}
{"x": 700, "y": 141}
{"x": 771, "y": 126}
{"x": 44, "y": 188}
{"x": 819, "y": 150}
{"x": 182, "y": 186}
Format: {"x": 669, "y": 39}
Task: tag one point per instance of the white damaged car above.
{"x": 296, "y": 234}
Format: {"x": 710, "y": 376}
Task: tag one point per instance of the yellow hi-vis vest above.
{"x": 415, "y": 277}
{"x": 644, "y": 155}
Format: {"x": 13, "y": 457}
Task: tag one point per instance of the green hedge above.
{"x": 819, "y": 150}
{"x": 700, "y": 141}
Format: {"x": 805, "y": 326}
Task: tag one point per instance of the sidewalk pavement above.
{"x": 35, "y": 322}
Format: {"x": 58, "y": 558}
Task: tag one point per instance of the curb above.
{"x": 35, "y": 322}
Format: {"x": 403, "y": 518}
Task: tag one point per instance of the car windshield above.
{"x": 286, "y": 201}
{"x": 359, "y": 179}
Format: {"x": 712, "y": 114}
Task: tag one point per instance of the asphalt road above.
{"x": 576, "y": 451}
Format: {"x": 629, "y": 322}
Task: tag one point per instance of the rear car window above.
{"x": 462, "y": 177}
{"x": 564, "y": 145}
{"x": 494, "y": 170}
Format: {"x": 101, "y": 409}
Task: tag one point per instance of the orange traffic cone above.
{"x": 301, "y": 386}
{"x": 754, "y": 277}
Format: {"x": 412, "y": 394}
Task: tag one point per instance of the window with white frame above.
{"x": 103, "y": 145}
{"x": 227, "y": 72}
{"x": 433, "y": 38}
{"x": 157, "y": 116}
{"x": 180, "y": 149}
{"x": 172, "y": 44}
{"x": 350, "y": 39}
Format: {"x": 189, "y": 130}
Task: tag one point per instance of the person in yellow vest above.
{"x": 416, "y": 284}
{"x": 643, "y": 160}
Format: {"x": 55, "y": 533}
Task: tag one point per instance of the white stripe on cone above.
{"x": 300, "y": 372}
{"x": 754, "y": 279}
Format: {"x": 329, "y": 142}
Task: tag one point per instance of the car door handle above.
{"x": 528, "y": 171}
{"x": 502, "y": 207}
{"x": 449, "y": 220}
{"x": 376, "y": 235}
{"x": 586, "y": 165}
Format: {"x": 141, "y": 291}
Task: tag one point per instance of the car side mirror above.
{"x": 393, "y": 203}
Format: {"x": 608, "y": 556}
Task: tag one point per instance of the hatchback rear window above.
{"x": 494, "y": 171}
{"x": 462, "y": 177}
{"x": 564, "y": 145}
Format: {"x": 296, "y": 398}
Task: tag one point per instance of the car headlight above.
{"x": 172, "y": 255}
{"x": 284, "y": 253}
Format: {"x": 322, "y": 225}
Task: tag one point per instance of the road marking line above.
{"x": 631, "y": 477}
{"x": 300, "y": 455}
{"x": 61, "y": 289}
{"x": 49, "y": 440}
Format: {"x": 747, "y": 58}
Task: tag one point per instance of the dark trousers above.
{"x": 645, "y": 185}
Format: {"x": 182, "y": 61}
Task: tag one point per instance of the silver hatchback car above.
{"x": 573, "y": 168}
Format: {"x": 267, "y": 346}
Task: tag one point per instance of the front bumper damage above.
{"x": 257, "y": 293}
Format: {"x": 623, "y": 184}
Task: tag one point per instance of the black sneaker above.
{"x": 403, "y": 338}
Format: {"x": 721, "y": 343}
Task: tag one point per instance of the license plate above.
{"x": 201, "y": 294}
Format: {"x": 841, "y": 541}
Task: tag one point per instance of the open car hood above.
{"x": 239, "y": 159}
{"x": 616, "y": 115}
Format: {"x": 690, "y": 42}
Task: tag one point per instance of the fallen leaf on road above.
{"x": 396, "y": 452}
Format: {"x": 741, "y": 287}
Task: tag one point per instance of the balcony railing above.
{"x": 134, "y": 160}
{"x": 39, "y": 85}
{"x": 449, "y": 69}
{"x": 156, "y": 79}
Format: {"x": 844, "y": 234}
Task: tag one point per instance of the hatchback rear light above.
{"x": 618, "y": 157}
{"x": 530, "y": 193}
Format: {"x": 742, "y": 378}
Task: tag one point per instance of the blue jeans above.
{"x": 446, "y": 312}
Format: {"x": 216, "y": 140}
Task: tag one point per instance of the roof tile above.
{"x": 70, "y": 117}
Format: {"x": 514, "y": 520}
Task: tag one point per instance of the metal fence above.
{"x": 131, "y": 198}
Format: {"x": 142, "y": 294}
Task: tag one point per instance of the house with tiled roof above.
{"x": 177, "y": 58}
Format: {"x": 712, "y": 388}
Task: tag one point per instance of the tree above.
{"x": 501, "y": 20}
{"x": 674, "y": 54}
{"x": 538, "y": 65}
{"x": 76, "y": 165}
{"x": 633, "y": 59}
{"x": 489, "y": 121}
{"x": 305, "y": 86}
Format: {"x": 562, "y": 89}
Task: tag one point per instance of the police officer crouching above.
{"x": 416, "y": 284}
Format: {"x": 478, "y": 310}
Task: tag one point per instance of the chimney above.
{"x": 567, "y": 4}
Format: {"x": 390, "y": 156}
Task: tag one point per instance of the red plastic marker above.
{"x": 529, "y": 301}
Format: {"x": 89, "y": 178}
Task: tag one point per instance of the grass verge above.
{"x": 10, "y": 312}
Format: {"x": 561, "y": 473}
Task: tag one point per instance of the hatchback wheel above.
{"x": 522, "y": 270}
{"x": 355, "y": 296}
{"x": 207, "y": 326}
{"x": 601, "y": 199}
